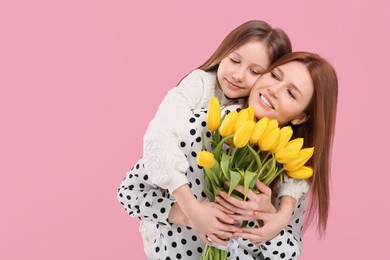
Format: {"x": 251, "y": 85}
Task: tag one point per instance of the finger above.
{"x": 263, "y": 188}
{"x": 224, "y": 206}
{"x": 215, "y": 239}
{"x": 253, "y": 196}
{"x": 225, "y": 218}
{"x": 226, "y": 227}
{"x": 223, "y": 234}
{"x": 250, "y": 236}
{"x": 235, "y": 202}
{"x": 244, "y": 217}
{"x": 250, "y": 203}
{"x": 204, "y": 239}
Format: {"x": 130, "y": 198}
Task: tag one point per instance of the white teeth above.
{"x": 265, "y": 101}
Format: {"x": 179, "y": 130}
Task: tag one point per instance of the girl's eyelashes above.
{"x": 234, "y": 60}
{"x": 255, "y": 72}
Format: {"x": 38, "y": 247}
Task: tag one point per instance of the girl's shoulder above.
{"x": 207, "y": 77}
{"x": 234, "y": 105}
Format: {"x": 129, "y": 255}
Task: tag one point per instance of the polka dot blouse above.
{"x": 151, "y": 204}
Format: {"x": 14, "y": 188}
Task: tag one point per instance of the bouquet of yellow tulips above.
{"x": 243, "y": 151}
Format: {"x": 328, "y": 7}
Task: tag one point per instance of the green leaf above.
{"x": 225, "y": 166}
{"x": 212, "y": 176}
{"x": 248, "y": 179}
{"x": 209, "y": 194}
{"x": 235, "y": 179}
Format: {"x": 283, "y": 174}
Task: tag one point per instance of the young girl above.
{"x": 229, "y": 74}
{"x": 298, "y": 88}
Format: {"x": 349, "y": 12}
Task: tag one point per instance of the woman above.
{"x": 299, "y": 90}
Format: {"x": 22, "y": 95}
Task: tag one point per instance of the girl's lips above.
{"x": 264, "y": 100}
{"x": 233, "y": 85}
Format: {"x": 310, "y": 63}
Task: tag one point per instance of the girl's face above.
{"x": 238, "y": 72}
{"x": 283, "y": 94}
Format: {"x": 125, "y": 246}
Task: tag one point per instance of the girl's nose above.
{"x": 238, "y": 74}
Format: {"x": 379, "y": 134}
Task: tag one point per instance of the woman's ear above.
{"x": 300, "y": 119}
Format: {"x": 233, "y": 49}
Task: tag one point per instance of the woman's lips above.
{"x": 264, "y": 99}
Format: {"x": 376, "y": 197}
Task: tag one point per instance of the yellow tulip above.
{"x": 213, "y": 114}
{"x": 227, "y": 125}
{"x": 268, "y": 141}
{"x": 243, "y": 134}
{"x": 286, "y": 155}
{"x": 295, "y": 144}
{"x": 205, "y": 159}
{"x": 303, "y": 156}
{"x": 301, "y": 173}
{"x": 243, "y": 116}
{"x": 284, "y": 136}
{"x": 251, "y": 112}
{"x": 259, "y": 130}
{"x": 273, "y": 123}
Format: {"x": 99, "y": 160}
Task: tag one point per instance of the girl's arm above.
{"x": 163, "y": 158}
{"x": 207, "y": 218}
{"x": 146, "y": 201}
{"x": 143, "y": 200}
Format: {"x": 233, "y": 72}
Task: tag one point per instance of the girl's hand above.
{"x": 212, "y": 222}
{"x": 245, "y": 210}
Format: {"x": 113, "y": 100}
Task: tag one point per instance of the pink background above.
{"x": 80, "y": 80}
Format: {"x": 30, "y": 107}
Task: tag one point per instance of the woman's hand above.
{"x": 245, "y": 210}
{"x": 273, "y": 224}
{"x": 259, "y": 207}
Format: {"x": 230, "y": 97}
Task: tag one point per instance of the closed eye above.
{"x": 291, "y": 94}
{"x": 274, "y": 75}
{"x": 234, "y": 61}
{"x": 256, "y": 73}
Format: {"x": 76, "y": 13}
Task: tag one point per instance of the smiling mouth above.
{"x": 233, "y": 85}
{"x": 266, "y": 101}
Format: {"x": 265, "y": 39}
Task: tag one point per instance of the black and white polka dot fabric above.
{"x": 143, "y": 200}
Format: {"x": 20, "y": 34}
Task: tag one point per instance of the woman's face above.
{"x": 283, "y": 94}
{"x": 238, "y": 72}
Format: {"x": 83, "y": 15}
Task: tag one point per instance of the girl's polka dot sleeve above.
{"x": 143, "y": 200}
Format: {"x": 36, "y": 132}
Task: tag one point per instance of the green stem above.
{"x": 218, "y": 148}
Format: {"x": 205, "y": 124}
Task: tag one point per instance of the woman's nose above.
{"x": 273, "y": 91}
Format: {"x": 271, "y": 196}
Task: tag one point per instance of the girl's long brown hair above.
{"x": 276, "y": 39}
{"x": 318, "y": 131}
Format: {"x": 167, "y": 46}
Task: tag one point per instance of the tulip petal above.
{"x": 206, "y": 159}
{"x": 213, "y": 114}
{"x": 259, "y": 130}
{"x": 243, "y": 134}
{"x": 303, "y": 156}
{"x": 302, "y": 173}
{"x": 228, "y": 124}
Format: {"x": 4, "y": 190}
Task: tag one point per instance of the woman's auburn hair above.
{"x": 318, "y": 131}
